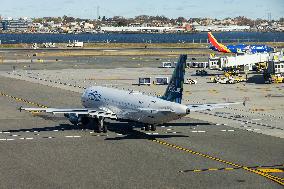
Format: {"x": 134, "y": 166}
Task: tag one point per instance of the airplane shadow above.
{"x": 60, "y": 127}
{"x": 182, "y": 124}
{"x": 129, "y": 133}
{"x": 123, "y": 128}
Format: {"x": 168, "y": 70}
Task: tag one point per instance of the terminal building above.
{"x": 141, "y": 29}
{"x": 221, "y": 28}
{"x": 15, "y": 24}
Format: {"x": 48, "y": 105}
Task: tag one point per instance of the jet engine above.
{"x": 76, "y": 120}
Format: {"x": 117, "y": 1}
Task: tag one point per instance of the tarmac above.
{"x": 236, "y": 147}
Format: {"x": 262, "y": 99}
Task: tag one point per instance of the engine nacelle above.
{"x": 74, "y": 119}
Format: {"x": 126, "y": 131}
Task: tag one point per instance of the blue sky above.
{"x": 131, "y": 8}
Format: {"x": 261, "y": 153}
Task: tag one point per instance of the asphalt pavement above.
{"x": 43, "y": 151}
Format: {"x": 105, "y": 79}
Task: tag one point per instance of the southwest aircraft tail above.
{"x": 175, "y": 87}
{"x": 216, "y": 45}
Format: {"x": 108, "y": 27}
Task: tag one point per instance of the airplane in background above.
{"x": 239, "y": 48}
{"x": 102, "y": 103}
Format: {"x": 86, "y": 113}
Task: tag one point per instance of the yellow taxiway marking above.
{"x": 197, "y": 170}
{"x": 229, "y": 169}
{"x": 262, "y": 168}
{"x": 270, "y": 177}
{"x": 213, "y": 169}
{"x": 271, "y": 170}
{"x": 23, "y": 100}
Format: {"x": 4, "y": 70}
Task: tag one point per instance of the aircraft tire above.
{"x": 147, "y": 127}
{"x": 100, "y": 125}
{"x": 105, "y": 128}
{"x": 153, "y": 128}
{"x": 99, "y": 128}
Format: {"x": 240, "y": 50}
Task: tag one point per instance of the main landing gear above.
{"x": 150, "y": 127}
{"x": 102, "y": 127}
{"x": 153, "y": 127}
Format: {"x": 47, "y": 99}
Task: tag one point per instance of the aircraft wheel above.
{"x": 105, "y": 128}
{"x": 100, "y": 125}
{"x": 84, "y": 123}
{"x": 99, "y": 128}
{"x": 147, "y": 127}
{"x": 153, "y": 128}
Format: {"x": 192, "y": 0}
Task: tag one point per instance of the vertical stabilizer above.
{"x": 175, "y": 87}
{"x": 219, "y": 46}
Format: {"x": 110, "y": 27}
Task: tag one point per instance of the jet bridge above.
{"x": 275, "y": 69}
{"x": 239, "y": 61}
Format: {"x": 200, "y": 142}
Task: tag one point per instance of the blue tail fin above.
{"x": 175, "y": 87}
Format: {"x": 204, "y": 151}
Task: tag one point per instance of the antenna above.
{"x": 269, "y": 17}
{"x": 98, "y": 12}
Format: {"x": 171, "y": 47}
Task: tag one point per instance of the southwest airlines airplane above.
{"x": 216, "y": 46}
{"x": 101, "y": 103}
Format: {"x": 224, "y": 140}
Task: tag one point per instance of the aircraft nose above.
{"x": 84, "y": 97}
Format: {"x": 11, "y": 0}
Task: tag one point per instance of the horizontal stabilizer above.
{"x": 203, "y": 107}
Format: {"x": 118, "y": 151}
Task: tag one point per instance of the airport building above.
{"x": 16, "y": 24}
{"x": 141, "y": 29}
{"x": 223, "y": 28}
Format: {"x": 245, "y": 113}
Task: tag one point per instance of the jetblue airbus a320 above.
{"x": 101, "y": 103}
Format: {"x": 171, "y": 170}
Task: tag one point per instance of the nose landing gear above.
{"x": 102, "y": 127}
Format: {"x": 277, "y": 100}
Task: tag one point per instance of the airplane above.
{"x": 240, "y": 48}
{"x": 102, "y": 103}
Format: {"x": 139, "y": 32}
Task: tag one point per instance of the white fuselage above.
{"x": 132, "y": 105}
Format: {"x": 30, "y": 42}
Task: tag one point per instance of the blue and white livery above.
{"x": 101, "y": 102}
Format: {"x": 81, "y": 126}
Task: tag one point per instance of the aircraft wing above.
{"x": 202, "y": 107}
{"x": 156, "y": 110}
{"x": 78, "y": 111}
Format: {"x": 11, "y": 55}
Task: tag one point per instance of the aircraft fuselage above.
{"x": 132, "y": 105}
{"x": 249, "y": 48}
